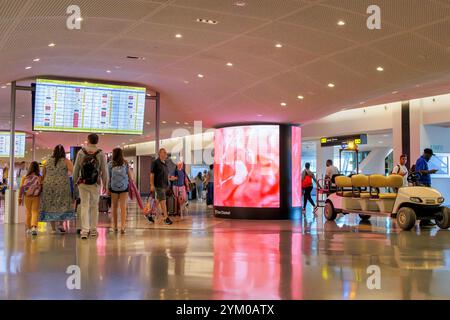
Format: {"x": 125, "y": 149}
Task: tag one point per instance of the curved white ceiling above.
{"x": 412, "y": 47}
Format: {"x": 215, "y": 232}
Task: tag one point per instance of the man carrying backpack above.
{"x": 89, "y": 171}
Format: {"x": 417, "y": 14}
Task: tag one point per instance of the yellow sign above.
{"x": 323, "y": 140}
{"x": 357, "y": 141}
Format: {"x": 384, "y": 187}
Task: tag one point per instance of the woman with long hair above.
{"x": 29, "y": 191}
{"x": 56, "y": 202}
{"x": 118, "y": 185}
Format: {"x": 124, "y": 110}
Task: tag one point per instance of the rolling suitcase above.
{"x": 171, "y": 205}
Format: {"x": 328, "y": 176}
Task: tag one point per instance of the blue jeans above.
{"x": 210, "y": 194}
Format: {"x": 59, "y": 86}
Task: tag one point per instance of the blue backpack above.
{"x": 118, "y": 177}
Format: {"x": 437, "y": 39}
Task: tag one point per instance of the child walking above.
{"x": 29, "y": 192}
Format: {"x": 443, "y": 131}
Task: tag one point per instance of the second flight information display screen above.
{"x": 71, "y": 106}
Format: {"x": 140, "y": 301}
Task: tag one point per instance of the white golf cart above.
{"x": 362, "y": 195}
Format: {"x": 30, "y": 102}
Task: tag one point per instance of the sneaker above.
{"x": 113, "y": 230}
{"x": 122, "y": 231}
{"x": 168, "y": 221}
{"x": 150, "y": 219}
{"x": 28, "y": 231}
{"x": 93, "y": 233}
{"x": 33, "y": 231}
{"x": 84, "y": 236}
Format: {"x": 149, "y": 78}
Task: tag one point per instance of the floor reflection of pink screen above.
{"x": 296, "y": 166}
{"x": 246, "y": 167}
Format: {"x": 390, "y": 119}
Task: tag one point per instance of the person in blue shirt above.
{"x": 422, "y": 168}
{"x": 425, "y": 178}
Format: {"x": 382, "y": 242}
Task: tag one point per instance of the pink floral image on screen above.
{"x": 246, "y": 166}
{"x": 296, "y": 166}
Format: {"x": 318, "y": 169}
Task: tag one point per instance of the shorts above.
{"x": 160, "y": 194}
{"x": 118, "y": 192}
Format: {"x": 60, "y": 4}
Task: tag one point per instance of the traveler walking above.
{"x": 210, "y": 187}
{"x": 307, "y": 186}
{"x": 89, "y": 172}
{"x": 159, "y": 183}
{"x": 120, "y": 177}
{"x": 29, "y": 192}
{"x": 56, "y": 198}
{"x": 199, "y": 186}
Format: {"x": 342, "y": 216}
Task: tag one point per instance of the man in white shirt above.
{"x": 401, "y": 169}
{"x": 331, "y": 170}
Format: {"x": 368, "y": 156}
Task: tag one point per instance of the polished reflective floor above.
{"x": 201, "y": 257}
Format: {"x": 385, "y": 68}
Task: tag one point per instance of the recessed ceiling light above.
{"x": 8, "y": 84}
{"x": 186, "y": 123}
{"x": 341, "y": 23}
{"x": 283, "y": 104}
{"x": 279, "y": 45}
{"x": 178, "y": 122}
{"x": 186, "y": 82}
{"x": 36, "y": 59}
{"x": 108, "y": 71}
{"x": 380, "y": 141}
{"x": 3, "y": 87}
{"x": 51, "y": 44}
{"x": 259, "y": 115}
{"x": 208, "y": 21}
{"x": 164, "y": 122}
{"x": 240, "y": 4}
{"x": 394, "y": 92}
{"x": 229, "y": 64}
{"x": 200, "y": 75}
{"x": 301, "y": 97}
{"x": 178, "y": 36}
{"x": 380, "y": 69}
{"x": 331, "y": 85}
{"x": 27, "y": 68}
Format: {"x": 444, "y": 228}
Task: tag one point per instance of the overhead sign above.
{"x": 339, "y": 141}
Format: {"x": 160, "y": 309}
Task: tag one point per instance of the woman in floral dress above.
{"x": 56, "y": 201}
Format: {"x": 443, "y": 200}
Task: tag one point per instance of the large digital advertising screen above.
{"x": 70, "y": 106}
{"x": 247, "y": 166}
{"x": 5, "y": 140}
{"x": 296, "y": 166}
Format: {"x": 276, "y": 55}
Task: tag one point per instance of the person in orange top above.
{"x": 29, "y": 192}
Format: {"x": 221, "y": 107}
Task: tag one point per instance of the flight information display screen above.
{"x": 5, "y": 140}
{"x": 71, "y": 106}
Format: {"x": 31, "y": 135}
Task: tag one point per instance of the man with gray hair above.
{"x": 159, "y": 183}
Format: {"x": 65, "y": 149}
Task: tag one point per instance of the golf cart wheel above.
{"x": 329, "y": 212}
{"x": 444, "y": 221}
{"x": 364, "y": 217}
{"x": 406, "y": 218}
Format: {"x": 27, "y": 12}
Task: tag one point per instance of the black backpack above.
{"x": 89, "y": 168}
